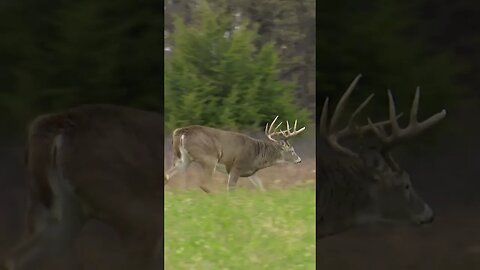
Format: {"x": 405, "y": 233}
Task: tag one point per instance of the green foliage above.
{"x": 245, "y": 230}
{"x": 290, "y": 25}
{"x": 216, "y": 76}
{"x": 58, "y": 54}
{"x": 70, "y": 53}
{"x": 379, "y": 40}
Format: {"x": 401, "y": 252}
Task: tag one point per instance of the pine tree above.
{"x": 377, "y": 41}
{"x": 216, "y": 76}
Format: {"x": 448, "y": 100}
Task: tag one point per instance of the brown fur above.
{"x": 111, "y": 157}
{"x": 342, "y": 193}
{"x": 211, "y": 142}
{"x": 240, "y": 154}
{"x": 353, "y": 191}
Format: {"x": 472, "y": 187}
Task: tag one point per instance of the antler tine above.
{"x": 285, "y": 133}
{"x": 397, "y": 134}
{"x": 323, "y": 118}
{"x": 349, "y": 128}
{"x": 343, "y": 100}
{"x": 414, "y": 127}
{"x": 380, "y": 133}
{"x": 333, "y": 136}
{"x": 288, "y": 132}
{"x": 268, "y": 129}
{"x": 275, "y": 129}
{"x": 359, "y": 109}
{"x": 271, "y": 125}
{"x": 391, "y": 110}
{"x": 414, "y": 110}
{"x": 295, "y": 132}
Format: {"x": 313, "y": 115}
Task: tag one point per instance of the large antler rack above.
{"x": 285, "y": 134}
{"x": 397, "y": 135}
{"x": 414, "y": 127}
{"x": 329, "y": 131}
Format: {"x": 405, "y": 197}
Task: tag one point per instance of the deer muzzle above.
{"x": 426, "y": 217}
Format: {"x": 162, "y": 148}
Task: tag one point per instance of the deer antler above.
{"x": 351, "y": 129}
{"x": 286, "y": 134}
{"x": 398, "y": 134}
{"x": 268, "y": 131}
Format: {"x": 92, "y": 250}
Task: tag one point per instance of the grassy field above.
{"x": 241, "y": 230}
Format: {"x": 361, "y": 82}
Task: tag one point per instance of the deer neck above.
{"x": 268, "y": 154}
{"x": 343, "y": 193}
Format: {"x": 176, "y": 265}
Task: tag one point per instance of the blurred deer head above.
{"x": 369, "y": 186}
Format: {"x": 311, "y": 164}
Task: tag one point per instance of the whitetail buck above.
{"x": 367, "y": 186}
{"x": 232, "y": 153}
{"x": 94, "y": 162}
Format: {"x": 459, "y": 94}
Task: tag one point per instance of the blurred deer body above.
{"x": 232, "y": 153}
{"x": 368, "y": 186}
{"x": 93, "y": 162}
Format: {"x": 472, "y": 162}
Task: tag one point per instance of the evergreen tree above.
{"x": 377, "y": 40}
{"x": 216, "y": 76}
{"x": 289, "y": 25}
{"x": 80, "y": 52}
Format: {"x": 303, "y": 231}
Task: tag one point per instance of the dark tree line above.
{"x": 61, "y": 53}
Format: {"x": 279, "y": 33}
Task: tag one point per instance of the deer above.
{"x": 367, "y": 186}
{"x": 231, "y": 153}
{"x": 99, "y": 162}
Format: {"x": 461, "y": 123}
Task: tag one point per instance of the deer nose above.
{"x": 430, "y": 220}
{"x": 427, "y": 216}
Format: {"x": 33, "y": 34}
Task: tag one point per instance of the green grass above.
{"x": 241, "y": 230}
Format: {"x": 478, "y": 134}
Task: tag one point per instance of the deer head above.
{"x": 287, "y": 151}
{"x": 391, "y": 196}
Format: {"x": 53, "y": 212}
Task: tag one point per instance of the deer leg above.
{"x": 181, "y": 165}
{"x": 208, "y": 170}
{"x": 36, "y": 216}
{"x": 257, "y": 182}
{"x": 254, "y": 179}
{"x": 232, "y": 181}
{"x": 232, "y": 177}
{"x": 53, "y": 234}
{"x": 221, "y": 168}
